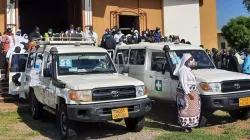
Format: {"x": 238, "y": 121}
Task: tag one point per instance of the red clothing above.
{"x": 6, "y": 43}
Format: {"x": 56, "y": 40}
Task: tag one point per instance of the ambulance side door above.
{"x": 161, "y": 82}
{"x": 50, "y": 89}
{"x": 17, "y": 77}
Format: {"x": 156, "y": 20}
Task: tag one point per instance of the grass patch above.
{"x": 12, "y": 128}
{"x": 227, "y": 131}
{"x": 198, "y": 134}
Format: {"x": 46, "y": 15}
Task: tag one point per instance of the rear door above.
{"x": 17, "y": 77}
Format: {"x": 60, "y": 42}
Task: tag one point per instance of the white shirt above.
{"x": 117, "y": 37}
{"x": 12, "y": 44}
{"x": 239, "y": 58}
{"x": 187, "y": 79}
{"x": 92, "y": 36}
{"x": 19, "y": 39}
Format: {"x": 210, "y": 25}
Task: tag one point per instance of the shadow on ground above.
{"x": 162, "y": 117}
{"x": 47, "y": 127}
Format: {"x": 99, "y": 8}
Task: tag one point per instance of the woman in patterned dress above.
{"x": 188, "y": 100}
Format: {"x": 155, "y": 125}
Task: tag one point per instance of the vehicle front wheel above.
{"x": 242, "y": 114}
{"x": 66, "y": 126}
{"x": 135, "y": 124}
{"x": 35, "y": 107}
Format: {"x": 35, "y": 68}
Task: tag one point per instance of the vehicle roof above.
{"x": 159, "y": 46}
{"x": 64, "y": 49}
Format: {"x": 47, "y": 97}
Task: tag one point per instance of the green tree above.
{"x": 237, "y": 32}
{"x": 247, "y": 4}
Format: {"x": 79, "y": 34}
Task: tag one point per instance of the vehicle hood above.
{"x": 217, "y": 75}
{"x": 81, "y": 82}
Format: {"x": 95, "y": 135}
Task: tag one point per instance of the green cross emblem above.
{"x": 158, "y": 85}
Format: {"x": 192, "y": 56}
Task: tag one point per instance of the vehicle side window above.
{"x": 137, "y": 57}
{"x": 18, "y": 62}
{"x": 125, "y": 54}
{"x": 157, "y": 62}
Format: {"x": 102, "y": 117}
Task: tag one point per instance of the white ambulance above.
{"x": 154, "y": 63}
{"x": 78, "y": 82}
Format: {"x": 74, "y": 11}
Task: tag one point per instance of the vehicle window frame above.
{"x": 57, "y": 65}
{"x": 188, "y": 51}
{"x": 137, "y": 56}
{"x": 29, "y": 60}
{"x": 128, "y": 56}
{"x": 11, "y": 61}
{"x": 164, "y": 58}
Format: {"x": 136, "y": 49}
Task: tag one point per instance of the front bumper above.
{"x": 102, "y": 111}
{"x": 223, "y": 102}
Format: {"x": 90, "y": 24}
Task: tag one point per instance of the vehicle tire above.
{"x": 35, "y": 107}
{"x": 242, "y": 114}
{"x": 66, "y": 126}
{"x": 204, "y": 116}
{"x": 135, "y": 124}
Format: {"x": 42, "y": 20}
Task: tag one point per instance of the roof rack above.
{"x": 64, "y": 41}
{"x": 76, "y": 41}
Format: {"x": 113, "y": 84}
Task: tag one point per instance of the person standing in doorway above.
{"x": 114, "y": 31}
{"x": 157, "y": 35}
{"x": 81, "y": 33}
{"x": 188, "y": 100}
{"x": 91, "y": 35}
{"x": 49, "y": 35}
{"x": 35, "y": 34}
{"x": 118, "y": 35}
{"x": 71, "y": 29}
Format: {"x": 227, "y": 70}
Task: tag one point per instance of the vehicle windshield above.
{"x": 202, "y": 59}
{"x": 85, "y": 63}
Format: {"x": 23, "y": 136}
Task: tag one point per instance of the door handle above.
{"x": 150, "y": 76}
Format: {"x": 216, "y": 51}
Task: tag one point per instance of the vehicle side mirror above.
{"x": 46, "y": 73}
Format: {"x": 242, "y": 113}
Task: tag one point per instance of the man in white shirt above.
{"x": 92, "y": 36}
{"x": 118, "y": 36}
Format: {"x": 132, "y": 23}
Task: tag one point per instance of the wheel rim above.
{"x": 63, "y": 123}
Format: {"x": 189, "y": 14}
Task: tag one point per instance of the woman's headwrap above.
{"x": 184, "y": 58}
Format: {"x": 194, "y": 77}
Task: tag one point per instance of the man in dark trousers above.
{"x": 216, "y": 58}
{"x": 233, "y": 64}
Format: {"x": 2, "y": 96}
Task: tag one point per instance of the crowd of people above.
{"x": 114, "y": 37}
{"x": 9, "y": 43}
{"x": 231, "y": 60}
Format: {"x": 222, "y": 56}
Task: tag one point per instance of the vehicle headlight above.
{"x": 80, "y": 96}
{"x": 141, "y": 91}
{"x": 211, "y": 87}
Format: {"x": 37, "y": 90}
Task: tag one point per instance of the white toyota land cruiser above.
{"x": 80, "y": 83}
{"x": 154, "y": 63}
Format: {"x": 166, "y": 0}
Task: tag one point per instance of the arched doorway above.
{"x": 125, "y": 19}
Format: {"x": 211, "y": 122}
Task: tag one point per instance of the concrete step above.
{"x": 13, "y": 107}
{"x": 8, "y": 99}
{"x": 5, "y": 94}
